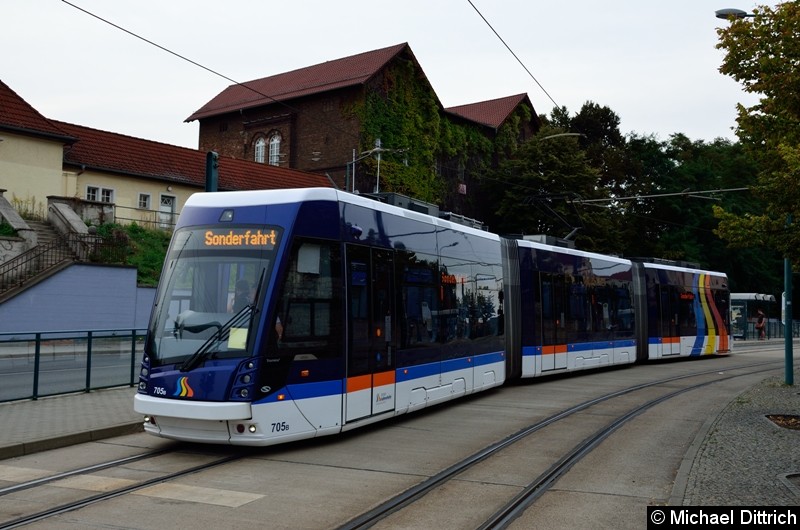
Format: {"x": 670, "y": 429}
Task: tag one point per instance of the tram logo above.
{"x": 183, "y": 390}
{"x": 383, "y": 396}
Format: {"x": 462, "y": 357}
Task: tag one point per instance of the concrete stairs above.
{"x": 48, "y": 258}
{"x": 45, "y": 232}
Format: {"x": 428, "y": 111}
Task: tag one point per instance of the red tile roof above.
{"x": 126, "y": 155}
{"x": 330, "y": 75}
{"x": 17, "y": 115}
{"x": 491, "y": 113}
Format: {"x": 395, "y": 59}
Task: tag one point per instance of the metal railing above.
{"x": 72, "y": 247}
{"x": 40, "y": 364}
{"x": 774, "y": 329}
{"x": 151, "y": 219}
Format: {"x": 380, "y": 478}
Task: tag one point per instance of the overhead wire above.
{"x": 512, "y": 53}
{"x": 267, "y": 96}
{"x": 199, "y": 65}
{"x": 244, "y": 85}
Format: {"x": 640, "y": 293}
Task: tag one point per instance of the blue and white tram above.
{"x": 573, "y": 310}
{"x": 358, "y": 311}
{"x": 683, "y": 311}
{"x": 290, "y": 314}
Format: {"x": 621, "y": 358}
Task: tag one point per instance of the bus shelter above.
{"x": 744, "y": 312}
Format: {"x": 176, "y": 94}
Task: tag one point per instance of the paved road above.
{"x": 710, "y": 449}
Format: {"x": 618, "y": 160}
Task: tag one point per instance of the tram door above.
{"x": 670, "y": 331}
{"x": 371, "y": 319}
{"x": 553, "y": 334}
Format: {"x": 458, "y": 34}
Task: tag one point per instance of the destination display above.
{"x": 241, "y": 238}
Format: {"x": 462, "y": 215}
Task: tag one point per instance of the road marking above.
{"x": 176, "y": 492}
{"x": 22, "y": 474}
{"x": 94, "y": 483}
{"x": 179, "y": 492}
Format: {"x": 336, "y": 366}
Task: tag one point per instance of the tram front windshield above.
{"x": 209, "y": 293}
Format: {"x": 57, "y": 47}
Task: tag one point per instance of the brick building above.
{"x": 371, "y": 122}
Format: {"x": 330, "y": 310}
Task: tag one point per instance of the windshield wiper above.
{"x": 222, "y": 333}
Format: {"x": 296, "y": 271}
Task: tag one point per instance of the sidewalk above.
{"x": 741, "y": 457}
{"x": 48, "y": 423}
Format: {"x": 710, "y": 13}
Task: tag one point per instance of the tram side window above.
{"x": 603, "y": 311}
{"x": 489, "y": 305}
{"x": 625, "y": 313}
{"x": 553, "y": 309}
{"x": 547, "y": 309}
{"x": 687, "y": 319}
{"x": 309, "y": 306}
{"x": 667, "y": 316}
{"x": 722, "y": 299}
{"x": 577, "y": 318}
{"x": 470, "y": 300}
{"x": 420, "y": 301}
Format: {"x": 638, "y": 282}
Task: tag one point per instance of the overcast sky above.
{"x": 653, "y": 62}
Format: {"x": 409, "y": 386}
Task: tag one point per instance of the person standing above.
{"x": 761, "y": 326}
{"x": 242, "y": 297}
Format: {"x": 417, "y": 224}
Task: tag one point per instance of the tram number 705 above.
{"x": 279, "y": 427}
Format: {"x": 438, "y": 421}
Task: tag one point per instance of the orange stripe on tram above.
{"x": 361, "y": 382}
{"x": 383, "y": 378}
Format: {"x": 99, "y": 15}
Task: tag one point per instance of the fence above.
{"x": 34, "y": 365}
{"x": 85, "y": 247}
{"x": 746, "y": 329}
{"x": 151, "y": 219}
{"x": 41, "y": 364}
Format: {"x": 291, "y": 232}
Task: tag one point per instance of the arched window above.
{"x": 260, "y": 150}
{"x": 274, "y": 149}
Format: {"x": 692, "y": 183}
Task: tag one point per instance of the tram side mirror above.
{"x": 308, "y": 258}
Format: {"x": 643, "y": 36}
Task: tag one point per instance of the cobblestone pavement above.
{"x": 745, "y": 458}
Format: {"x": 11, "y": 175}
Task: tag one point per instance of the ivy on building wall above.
{"x": 426, "y": 152}
{"x": 508, "y": 138}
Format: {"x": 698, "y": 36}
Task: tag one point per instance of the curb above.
{"x": 27, "y": 448}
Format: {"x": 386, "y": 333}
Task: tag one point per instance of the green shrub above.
{"x": 143, "y": 248}
{"x": 6, "y": 230}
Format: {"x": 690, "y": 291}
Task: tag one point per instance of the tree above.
{"x": 539, "y": 188}
{"x": 763, "y": 54}
{"x": 630, "y": 195}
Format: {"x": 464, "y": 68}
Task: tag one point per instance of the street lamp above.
{"x": 364, "y": 154}
{"x": 730, "y": 12}
{"x": 352, "y": 163}
{"x": 560, "y": 135}
{"x": 788, "y": 320}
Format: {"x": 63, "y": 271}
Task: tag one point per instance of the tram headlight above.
{"x": 244, "y": 392}
{"x": 145, "y": 372}
{"x": 246, "y": 378}
{"x": 142, "y": 386}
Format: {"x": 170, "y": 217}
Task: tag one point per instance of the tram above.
{"x": 290, "y": 314}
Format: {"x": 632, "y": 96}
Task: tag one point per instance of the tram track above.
{"x": 19, "y": 520}
{"x": 79, "y": 471}
{"x": 534, "y": 489}
{"x": 639, "y": 400}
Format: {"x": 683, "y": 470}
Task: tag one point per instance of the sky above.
{"x": 653, "y": 62}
